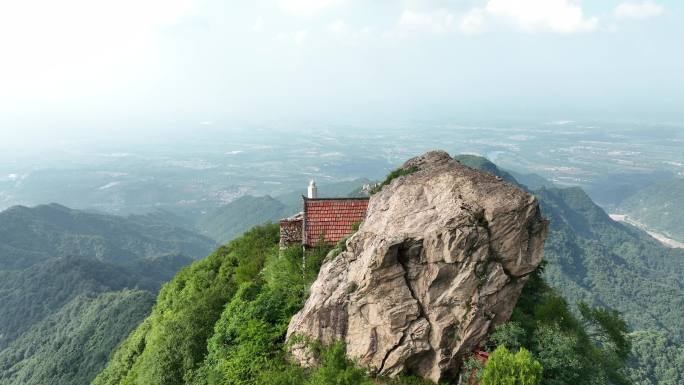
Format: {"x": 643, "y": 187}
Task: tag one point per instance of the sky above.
{"x": 103, "y": 66}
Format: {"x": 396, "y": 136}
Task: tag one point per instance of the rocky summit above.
{"x": 439, "y": 261}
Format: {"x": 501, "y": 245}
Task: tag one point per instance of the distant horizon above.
{"x": 37, "y": 139}
{"x": 70, "y": 67}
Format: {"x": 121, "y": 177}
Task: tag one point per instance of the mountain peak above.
{"x": 440, "y": 259}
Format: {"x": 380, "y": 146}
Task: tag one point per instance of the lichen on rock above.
{"x": 440, "y": 259}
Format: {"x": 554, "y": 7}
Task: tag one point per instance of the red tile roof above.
{"x": 331, "y": 219}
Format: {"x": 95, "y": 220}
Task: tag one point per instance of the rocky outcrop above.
{"x": 439, "y": 261}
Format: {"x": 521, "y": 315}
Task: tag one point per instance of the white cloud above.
{"x": 472, "y": 22}
{"x": 258, "y": 25}
{"x": 434, "y": 23}
{"x": 57, "y": 48}
{"x": 349, "y": 34}
{"x": 560, "y": 16}
{"x": 300, "y": 36}
{"x": 339, "y": 28}
{"x": 307, "y": 7}
{"x": 640, "y": 10}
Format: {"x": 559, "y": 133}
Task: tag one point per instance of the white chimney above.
{"x": 312, "y": 192}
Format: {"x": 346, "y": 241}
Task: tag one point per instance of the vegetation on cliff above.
{"x": 74, "y": 284}
{"x": 593, "y": 259}
{"x": 33, "y": 235}
{"x": 504, "y": 367}
{"x": 228, "y": 222}
{"x": 72, "y": 345}
{"x": 223, "y": 320}
{"x": 659, "y": 206}
{"x": 392, "y": 176}
{"x": 589, "y": 349}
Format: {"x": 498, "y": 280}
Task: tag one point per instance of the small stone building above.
{"x": 322, "y": 219}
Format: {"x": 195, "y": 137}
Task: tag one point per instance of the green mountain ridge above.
{"x": 231, "y": 220}
{"x": 223, "y": 319}
{"x": 659, "y": 206}
{"x": 73, "y": 284}
{"x": 32, "y": 235}
{"x": 88, "y": 289}
{"x": 293, "y": 200}
{"x": 590, "y": 258}
{"x": 72, "y": 344}
{"x": 594, "y": 259}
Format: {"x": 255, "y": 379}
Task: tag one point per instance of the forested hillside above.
{"x": 659, "y": 206}
{"x": 73, "y": 284}
{"x": 223, "y": 321}
{"x": 227, "y": 222}
{"x": 71, "y": 345}
{"x": 82, "y": 306}
{"x": 594, "y": 259}
{"x": 30, "y": 295}
{"x": 32, "y": 235}
{"x": 604, "y": 263}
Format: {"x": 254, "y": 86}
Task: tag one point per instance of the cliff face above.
{"x": 439, "y": 261}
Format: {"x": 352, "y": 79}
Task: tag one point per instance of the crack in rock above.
{"x": 404, "y": 256}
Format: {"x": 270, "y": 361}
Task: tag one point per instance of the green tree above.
{"x": 580, "y": 351}
{"x": 506, "y": 368}
{"x": 187, "y": 310}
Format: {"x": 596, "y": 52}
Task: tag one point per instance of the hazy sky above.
{"x": 109, "y": 65}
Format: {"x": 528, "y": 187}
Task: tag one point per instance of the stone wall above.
{"x": 290, "y": 231}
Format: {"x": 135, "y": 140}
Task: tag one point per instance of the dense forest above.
{"x": 593, "y": 259}
{"x": 70, "y": 345}
{"x": 245, "y": 342}
{"x": 223, "y": 321}
{"x": 659, "y": 207}
{"x": 74, "y": 284}
{"x": 90, "y": 279}
{"x": 229, "y": 221}
{"x": 32, "y": 235}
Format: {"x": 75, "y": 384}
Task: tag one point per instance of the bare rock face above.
{"x": 440, "y": 260}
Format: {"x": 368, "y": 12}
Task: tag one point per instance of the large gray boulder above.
{"x": 440, "y": 260}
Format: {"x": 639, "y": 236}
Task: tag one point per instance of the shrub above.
{"x": 391, "y": 176}
{"x": 506, "y": 368}
{"x": 336, "y": 369}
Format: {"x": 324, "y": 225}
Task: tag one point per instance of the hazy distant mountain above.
{"x": 590, "y": 258}
{"x": 612, "y": 189}
{"x": 659, "y": 206}
{"x": 293, "y": 200}
{"x": 532, "y": 181}
{"x": 227, "y": 222}
{"x": 483, "y": 164}
{"x": 597, "y": 260}
{"x": 594, "y": 259}
{"x": 70, "y": 345}
{"x": 73, "y": 284}
{"x": 32, "y": 235}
